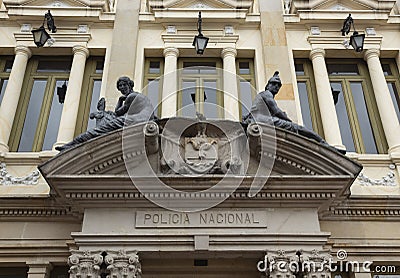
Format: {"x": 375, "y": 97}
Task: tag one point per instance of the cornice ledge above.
{"x": 65, "y": 40}
{"x": 188, "y": 38}
{"x": 85, "y": 3}
{"x": 337, "y": 41}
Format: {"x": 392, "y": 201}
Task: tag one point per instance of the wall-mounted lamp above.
{"x": 61, "y": 92}
{"x": 40, "y": 36}
{"x": 200, "y": 42}
{"x": 356, "y": 40}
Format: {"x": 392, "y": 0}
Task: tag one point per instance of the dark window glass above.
{"x": 363, "y": 117}
{"x": 54, "y": 66}
{"x": 342, "y": 115}
{"x": 93, "y": 103}
{"x": 3, "y": 85}
{"x": 99, "y": 66}
{"x": 342, "y": 69}
{"x": 155, "y": 67}
{"x": 305, "y": 105}
{"x": 8, "y": 65}
{"x": 210, "y": 99}
{"x": 188, "y": 108}
{"x": 386, "y": 69}
{"x": 199, "y": 68}
{"x": 54, "y": 119}
{"x": 244, "y": 68}
{"x": 395, "y": 97}
{"x": 299, "y": 68}
{"x": 13, "y": 272}
{"x": 32, "y": 116}
{"x": 245, "y": 97}
{"x": 59, "y": 272}
{"x": 153, "y": 89}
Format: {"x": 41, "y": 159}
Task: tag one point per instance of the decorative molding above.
{"x": 85, "y": 264}
{"x": 286, "y": 5}
{"x": 32, "y": 212}
{"x": 388, "y": 180}
{"x": 26, "y": 28}
{"x": 62, "y": 39}
{"x": 123, "y": 264}
{"x": 7, "y": 179}
{"x": 171, "y": 29}
{"x": 315, "y": 31}
{"x": 188, "y": 38}
{"x": 228, "y": 30}
{"x": 336, "y": 42}
{"x": 82, "y": 29}
{"x": 370, "y": 31}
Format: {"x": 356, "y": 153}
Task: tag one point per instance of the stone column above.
{"x": 325, "y": 100}
{"x": 85, "y": 264}
{"x": 123, "y": 264}
{"x": 170, "y": 79}
{"x": 39, "y": 270}
{"x": 71, "y": 104}
{"x": 231, "y": 95}
{"x": 384, "y": 102}
{"x": 12, "y": 93}
{"x": 123, "y": 48}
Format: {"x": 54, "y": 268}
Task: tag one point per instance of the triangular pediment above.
{"x": 201, "y": 4}
{"x": 56, "y": 3}
{"x": 333, "y": 5}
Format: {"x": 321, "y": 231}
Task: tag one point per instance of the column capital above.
{"x": 23, "y": 50}
{"x": 373, "y": 52}
{"x": 228, "y": 51}
{"x": 80, "y": 49}
{"x": 171, "y": 51}
{"x": 317, "y": 52}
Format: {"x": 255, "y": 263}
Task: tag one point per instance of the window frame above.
{"x": 308, "y": 78}
{"x": 394, "y": 78}
{"x": 148, "y": 77}
{"x": 200, "y": 78}
{"x": 370, "y": 101}
{"x": 3, "y": 74}
{"x": 31, "y": 75}
{"x": 248, "y": 77}
{"x": 89, "y": 77}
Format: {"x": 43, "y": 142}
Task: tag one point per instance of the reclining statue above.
{"x": 264, "y": 109}
{"x": 132, "y": 108}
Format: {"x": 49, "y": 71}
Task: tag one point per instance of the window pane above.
{"x": 8, "y": 65}
{"x": 210, "y": 99}
{"x": 199, "y": 68}
{"x": 363, "y": 117}
{"x": 53, "y": 122}
{"x": 299, "y": 68}
{"x": 3, "y": 85}
{"x": 395, "y": 98}
{"x": 305, "y": 105}
{"x": 32, "y": 116}
{"x": 153, "y": 93}
{"x": 54, "y": 66}
{"x": 99, "y": 66}
{"x": 155, "y": 67}
{"x": 246, "y": 97}
{"x": 386, "y": 69}
{"x": 342, "y": 115}
{"x": 188, "y": 108}
{"x": 342, "y": 69}
{"x": 244, "y": 68}
{"x": 93, "y": 103}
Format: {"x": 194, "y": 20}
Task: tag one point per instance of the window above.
{"x": 308, "y": 96}
{"x": 154, "y": 68}
{"x": 393, "y": 80}
{"x": 13, "y": 272}
{"x": 356, "y": 110}
{"x": 90, "y": 94}
{"x": 247, "y": 92}
{"x": 6, "y": 63}
{"x": 200, "y": 83}
{"x": 39, "y": 109}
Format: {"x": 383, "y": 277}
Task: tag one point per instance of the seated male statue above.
{"x": 265, "y": 109}
{"x": 132, "y": 108}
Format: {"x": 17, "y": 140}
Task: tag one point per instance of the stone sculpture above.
{"x": 132, "y": 108}
{"x": 265, "y": 110}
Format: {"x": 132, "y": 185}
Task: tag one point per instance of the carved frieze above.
{"x": 7, "y": 179}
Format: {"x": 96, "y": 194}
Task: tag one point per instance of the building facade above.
{"x": 93, "y": 210}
